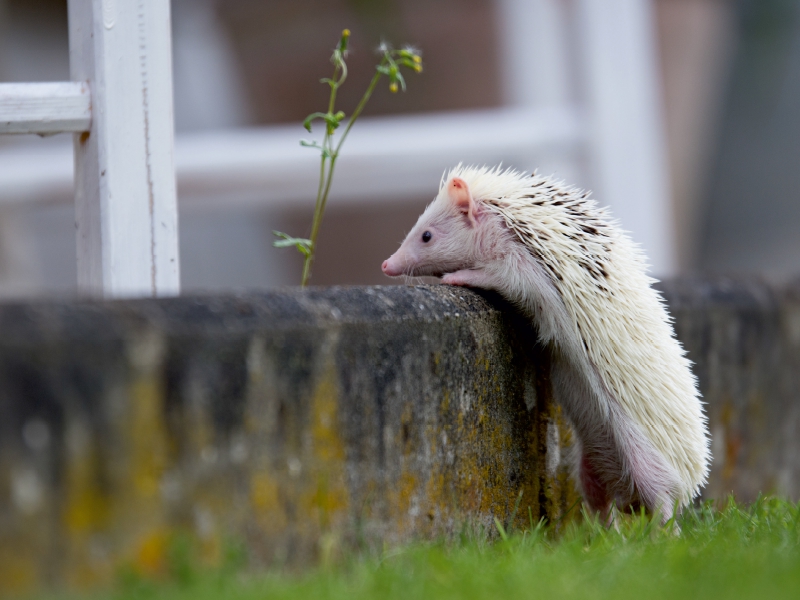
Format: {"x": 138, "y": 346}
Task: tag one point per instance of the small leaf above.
{"x": 309, "y": 144}
{"x": 410, "y": 52}
{"x": 310, "y": 118}
{"x": 411, "y": 64}
{"x": 325, "y": 152}
{"x": 399, "y": 77}
{"x": 382, "y": 69}
{"x": 303, "y": 245}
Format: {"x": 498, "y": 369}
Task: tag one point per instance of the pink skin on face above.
{"x": 448, "y": 241}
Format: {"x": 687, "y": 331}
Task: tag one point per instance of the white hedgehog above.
{"x": 617, "y": 370}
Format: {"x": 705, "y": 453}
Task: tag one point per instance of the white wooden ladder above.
{"x": 119, "y": 108}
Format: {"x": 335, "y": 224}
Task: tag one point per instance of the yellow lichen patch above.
{"x": 436, "y": 359}
{"x": 484, "y": 487}
{"x": 147, "y": 437}
{"x": 444, "y": 406}
{"x": 304, "y": 494}
{"x": 107, "y": 502}
{"x": 402, "y": 495}
{"x": 469, "y": 478}
{"x": 264, "y": 492}
{"x": 482, "y": 361}
{"x": 328, "y": 497}
{"x": 560, "y": 489}
{"x": 17, "y": 572}
{"x": 139, "y": 531}
{"x": 87, "y": 505}
{"x": 439, "y": 502}
{"x": 150, "y": 557}
{"x": 328, "y": 447}
{"x": 267, "y": 499}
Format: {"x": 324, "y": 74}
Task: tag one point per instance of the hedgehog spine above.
{"x": 618, "y": 371}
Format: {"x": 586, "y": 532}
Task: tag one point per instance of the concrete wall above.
{"x": 302, "y": 423}
{"x": 299, "y": 423}
{"x": 744, "y": 338}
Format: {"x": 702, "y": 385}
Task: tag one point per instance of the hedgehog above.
{"x": 617, "y": 369}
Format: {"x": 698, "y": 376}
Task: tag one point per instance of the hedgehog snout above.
{"x": 391, "y": 267}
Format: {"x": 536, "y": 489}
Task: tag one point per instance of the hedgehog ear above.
{"x": 461, "y": 197}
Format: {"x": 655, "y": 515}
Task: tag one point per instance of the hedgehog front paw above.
{"x": 451, "y": 279}
{"x": 465, "y": 278}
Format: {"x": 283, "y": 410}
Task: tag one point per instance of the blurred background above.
{"x": 687, "y": 123}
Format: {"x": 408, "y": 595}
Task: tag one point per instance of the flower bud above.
{"x": 343, "y": 41}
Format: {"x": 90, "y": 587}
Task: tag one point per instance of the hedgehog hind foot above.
{"x": 666, "y": 511}
{"x": 655, "y": 483}
{"x": 607, "y": 503}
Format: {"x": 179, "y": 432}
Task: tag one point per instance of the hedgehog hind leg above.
{"x": 655, "y": 483}
{"x": 595, "y": 492}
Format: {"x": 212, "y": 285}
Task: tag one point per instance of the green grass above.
{"x": 736, "y": 552}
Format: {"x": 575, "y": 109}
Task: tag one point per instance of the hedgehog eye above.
{"x": 426, "y": 237}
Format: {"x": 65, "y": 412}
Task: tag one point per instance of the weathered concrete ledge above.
{"x": 303, "y": 422}
{"x": 744, "y": 338}
{"x": 297, "y": 422}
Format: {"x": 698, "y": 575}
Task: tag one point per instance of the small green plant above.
{"x": 390, "y": 64}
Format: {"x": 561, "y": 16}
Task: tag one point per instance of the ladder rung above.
{"x": 45, "y": 108}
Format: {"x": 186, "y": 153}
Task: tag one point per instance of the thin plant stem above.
{"x": 322, "y": 193}
{"x": 318, "y": 208}
{"x": 329, "y": 148}
{"x": 357, "y": 112}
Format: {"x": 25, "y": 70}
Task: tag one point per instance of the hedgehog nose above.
{"x": 385, "y": 265}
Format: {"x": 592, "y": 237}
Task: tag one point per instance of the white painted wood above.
{"x": 45, "y": 108}
{"x": 627, "y": 157}
{"x": 385, "y": 158}
{"x": 536, "y": 71}
{"x": 534, "y": 47}
{"x": 126, "y": 206}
